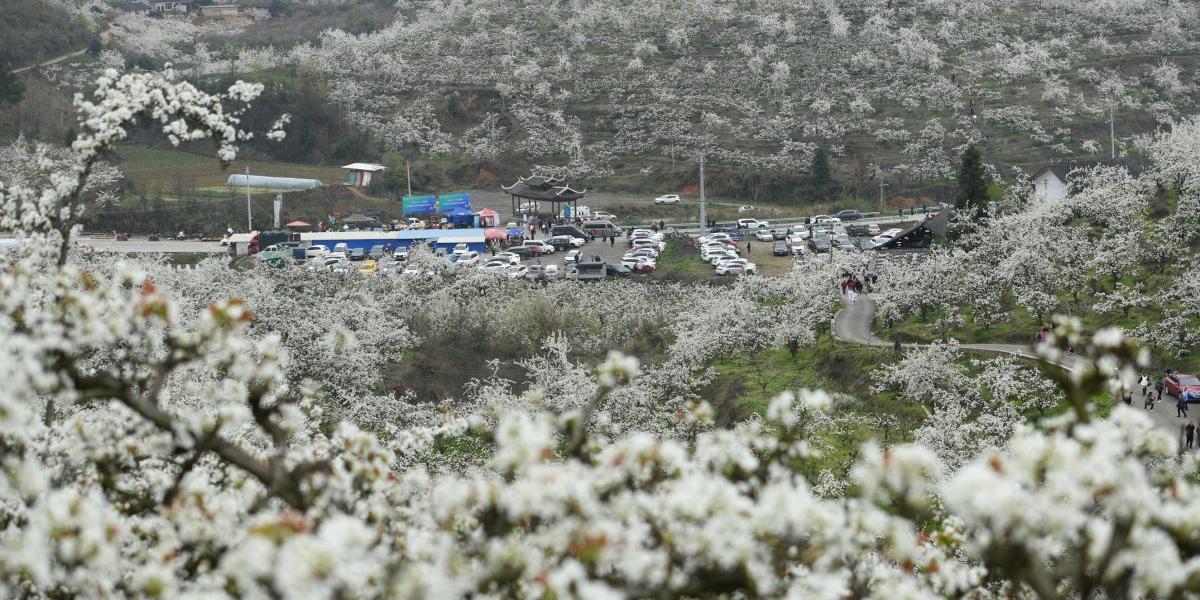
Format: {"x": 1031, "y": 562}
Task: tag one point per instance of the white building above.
{"x": 1051, "y": 182}
{"x": 360, "y": 173}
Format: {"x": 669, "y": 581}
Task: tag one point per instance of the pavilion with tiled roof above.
{"x": 539, "y": 188}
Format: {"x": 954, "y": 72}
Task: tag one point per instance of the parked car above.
{"x": 400, "y": 255}
{"x": 764, "y": 235}
{"x": 550, "y": 272}
{"x": 601, "y": 228}
{"x": 872, "y": 229}
{"x": 647, "y": 252}
{"x": 781, "y": 249}
{"x": 541, "y": 246}
{"x": 517, "y": 272}
{"x": 857, "y": 230}
{"x": 1176, "y": 383}
{"x": 667, "y": 199}
{"x": 780, "y": 233}
{"x": 751, "y": 224}
{"x": 604, "y": 216}
{"x": 460, "y": 249}
{"x": 562, "y": 242}
{"x": 849, "y": 215}
{"x": 315, "y": 252}
{"x": 820, "y": 243}
{"x": 470, "y": 258}
{"x": 572, "y": 257}
{"x": 745, "y": 208}
{"x": 646, "y": 243}
{"x": 496, "y": 266}
{"x": 522, "y": 252}
{"x": 377, "y": 252}
{"x": 533, "y": 272}
{"x": 368, "y": 268}
{"x": 797, "y": 247}
{"x": 736, "y": 267}
{"x": 358, "y": 254}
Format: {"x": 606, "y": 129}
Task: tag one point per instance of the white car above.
{"x": 567, "y": 240}
{"x": 646, "y": 233}
{"x": 546, "y": 248}
{"x": 717, "y": 247}
{"x": 495, "y": 266}
{"x": 651, "y": 252}
{"x": 517, "y": 272}
{"x": 646, "y": 243}
{"x": 667, "y": 199}
{"x": 745, "y": 208}
{"x": 716, "y": 258}
{"x": 798, "y": 247}
{"x": 738, "y": 266}
{"x": 550, "y": 272}
{"x": 604, "y": 216}
{"x": 512, "y": 257}
{"x": 460, "y": 249}
{"x": 752, "y": 224}
{"x": 315, "y": 252}
{"x": 764, "y": 235}
{"x": 572, "y": 257}
{"x": 872, "y": 229}
{"x": 470, "y": 258}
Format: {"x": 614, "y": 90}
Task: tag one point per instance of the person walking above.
{"x": 747, "y": 246}
{"x": 1128, "y": 398}
{"x": 1145, "y": 383}
{"x": 1148, "y": 402}
{"x": 1190, "y": 432}
{"x": 1158, "y": 387}
{"x": 1181, "y": 406}
{"x": 612, "y": 241}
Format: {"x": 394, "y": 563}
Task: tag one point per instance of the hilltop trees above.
{"x": 821, "y": 176}
{"x": 972, "y": 184}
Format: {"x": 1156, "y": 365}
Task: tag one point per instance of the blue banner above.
{"x": 419, "y": 205}
{"x": 449, "y": 202}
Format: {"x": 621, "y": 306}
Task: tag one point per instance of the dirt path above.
{"x": 853, "y": 324}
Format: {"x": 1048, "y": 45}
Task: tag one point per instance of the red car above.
{"x": 1178, "y": 383}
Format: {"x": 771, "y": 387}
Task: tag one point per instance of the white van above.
{"x": 343, "y": 248}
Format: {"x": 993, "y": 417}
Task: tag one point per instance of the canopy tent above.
{"x": 495, "y": 235}
{"x": 488, "y": 218}
{"x": 298, "y": 225}
{"x": 460, "y": 216}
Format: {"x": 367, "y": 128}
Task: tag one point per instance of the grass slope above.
{"x": 163, "y": 169}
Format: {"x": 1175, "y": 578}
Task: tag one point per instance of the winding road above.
{"x": 853, "y": 324}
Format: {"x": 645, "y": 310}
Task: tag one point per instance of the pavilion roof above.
{"x": 539, "y": 187}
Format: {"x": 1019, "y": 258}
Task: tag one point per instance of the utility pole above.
{"x": 703, "y": 216}
{"x": 881, "y": 186}
{"x": 249, "y": 222}
{"x": 408, "y": 176}
{"x": 1112, "y": 134}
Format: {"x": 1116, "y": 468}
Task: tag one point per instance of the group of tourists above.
{"x": 1152, "y": 392}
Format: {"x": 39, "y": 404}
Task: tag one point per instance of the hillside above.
{"x": 34, "y": 30}
{"x": 623, "y": 97}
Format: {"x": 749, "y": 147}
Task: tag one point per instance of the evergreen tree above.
{"x": 11, "y": 89}
{"x": 820, "y": 168}
{"x": 972, "y": 183}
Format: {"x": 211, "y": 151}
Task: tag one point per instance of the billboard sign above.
{"x": 419, "y": 205}
{"x": 449, "y": 202}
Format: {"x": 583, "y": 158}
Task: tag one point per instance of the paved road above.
{"x": 853, "y": 324}
{"x": 142, "y": 245}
